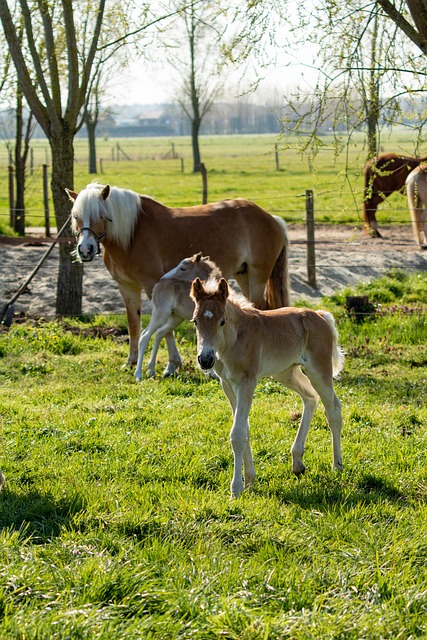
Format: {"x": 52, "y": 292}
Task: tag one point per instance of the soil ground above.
{"x": 344, "y": 255}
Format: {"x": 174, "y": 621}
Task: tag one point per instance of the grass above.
{"x": 238, "y": 166}
{"x": 116, "y": 520}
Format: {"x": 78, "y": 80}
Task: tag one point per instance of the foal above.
{"x": 243, "y": 344}
{"x": 171, "y": 305}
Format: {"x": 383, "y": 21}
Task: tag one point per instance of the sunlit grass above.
{"x": 237, "y": 166}
{"x": 116, "y": 520}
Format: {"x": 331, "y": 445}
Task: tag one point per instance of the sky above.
{"x": 141, "y": 85}
{"x": 145, "y": 84}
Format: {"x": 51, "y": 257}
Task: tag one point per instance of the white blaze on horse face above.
{"x": 206, "y": 326}
{"x": 87, "y": 246}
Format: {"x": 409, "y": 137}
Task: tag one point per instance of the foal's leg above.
{"x": 324, "y": 385}
{"x": 248, "y": 461}
{"x": 145, "y": 338}
{"x": 174, "y": 359}
{"x": 239, "y": 436}
{"x": 295, "y": 379}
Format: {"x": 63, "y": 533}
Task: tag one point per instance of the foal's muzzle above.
{"x": 206, "y": 359}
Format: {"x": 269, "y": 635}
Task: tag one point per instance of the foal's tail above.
{"x": 278, "y": 285}
{"x": 337, "y": 353}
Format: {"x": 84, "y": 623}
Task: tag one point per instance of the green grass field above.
{"x": 238, "y": 166}
{"x": 116, "y": 521}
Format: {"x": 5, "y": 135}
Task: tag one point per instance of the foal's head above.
{"x": 198, "y": 266}
{"x": 209, "y": 318}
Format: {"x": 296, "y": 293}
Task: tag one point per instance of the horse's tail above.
{"x": 337, "y": 353}
{"x": 414, "y": 203}
{"x": 278, "y": 286}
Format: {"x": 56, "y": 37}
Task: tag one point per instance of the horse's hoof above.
{"x": 299, "y": 471}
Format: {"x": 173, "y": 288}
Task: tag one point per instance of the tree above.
{"x": 195, "y": 56}
{"x": 41, "y": 74}
{"x": 417, "y": 10}
{"x": 56, "y": 66}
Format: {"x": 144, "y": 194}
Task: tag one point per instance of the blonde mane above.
{"x": 120, "y": 211}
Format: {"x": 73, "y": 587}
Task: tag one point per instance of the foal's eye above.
{"x": 222, "y": 323}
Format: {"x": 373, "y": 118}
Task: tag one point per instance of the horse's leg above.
{"x": 369, "y": 209}
{"x": 423, "y": 230}
{"x": 248, "y": 461}
{"x": 323, "y": 384}
{"x": 239, "y": 437}
{"x": 159, "y": 317}
{"x": 294, "y": 379}
{"x": 252, "y": 285}
{"x": 132, "y": 299}
{"x": 174, "y": 359}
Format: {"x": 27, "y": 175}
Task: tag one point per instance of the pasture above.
{"x": 116, "y": 520}
{"x": 237, "y": 166}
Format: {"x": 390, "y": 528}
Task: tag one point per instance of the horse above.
{"x": 384, "y": 175}
{"x": 143, "y": 239}
{"x": 243, "y": 344}
{"x": 171, "y": 305}
{"x": 416, "y": 189}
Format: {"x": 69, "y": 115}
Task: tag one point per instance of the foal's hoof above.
{"x": 298, "y": 469}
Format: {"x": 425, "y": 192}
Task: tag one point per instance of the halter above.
{"x": 98, "y": 238}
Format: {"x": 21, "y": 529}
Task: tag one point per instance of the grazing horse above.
{"x": 242, "y": 344}
{"x": 171, "y": 305}
{"x": 416, "y": 189}
{"x": 384, "y": 175}
{"x": 143, "y": 239}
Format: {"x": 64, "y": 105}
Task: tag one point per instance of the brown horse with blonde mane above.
{"x": 384, "y": 175}
{"x": 243, "y": 344}
{"x": 144, "y": 239}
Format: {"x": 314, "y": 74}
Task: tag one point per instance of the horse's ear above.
{"x": 105, "y": 192}
{"x": 223, "y": 288}
{"x": 197, "y": 290}
{"x": 206, "y": 258}
{"x": 71, "y": 194}
{"x": 198, "y": 256}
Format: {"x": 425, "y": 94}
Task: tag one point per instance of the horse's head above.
{"x": 89, "y": 215}
{"x": 209, "y": 319}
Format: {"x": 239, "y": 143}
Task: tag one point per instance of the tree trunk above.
{"x": 195, "y": 126}
{"x": 70, "y": 275}
{"x": 91, "y": 129}
{"x": 19, "y": 205}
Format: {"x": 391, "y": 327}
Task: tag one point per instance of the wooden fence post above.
{"x": 277, "y": 157}
{"x": 204, "y": 182}
{"x": 311, "y": 247}
{"x": 46, "y": 201}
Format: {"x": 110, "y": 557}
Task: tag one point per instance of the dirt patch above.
{"x": 344, "y": 255}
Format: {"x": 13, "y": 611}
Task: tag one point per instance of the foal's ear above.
{"x": 105, "y": 192}
{"x": 197, "y": 290}
{"x": 223, "y": 288}
{"x": 198, "y": 256}
{"x": 71, "y": 194}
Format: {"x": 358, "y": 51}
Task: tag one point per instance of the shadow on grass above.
{"x": 325, "y": 494}
{"x": 40, "y": 515}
